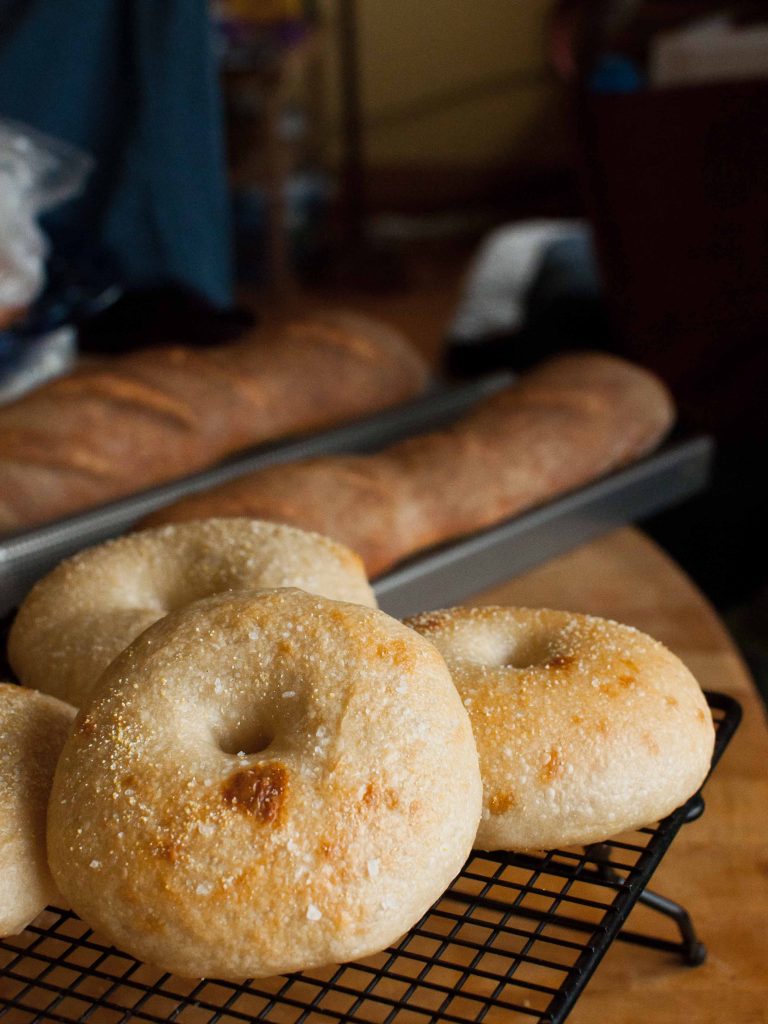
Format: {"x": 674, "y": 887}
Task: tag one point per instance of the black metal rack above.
{"x": 515, "y": 938}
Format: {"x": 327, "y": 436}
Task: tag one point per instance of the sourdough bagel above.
{"x": 584, "y": 727}
{"x": 33, "y": 728}
{"x": 265, "y": 782}
{"x": 76, "y": 619}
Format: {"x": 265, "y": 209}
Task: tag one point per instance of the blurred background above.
{"x": 500, "y": 180}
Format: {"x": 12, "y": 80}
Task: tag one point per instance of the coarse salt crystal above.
{"x": 205, "y": 828}
{"x": 289, "y": 693}
{"x": 373, "y": 868}
{"x": 218, "y": 686}
{"x": 313, "y": 913}
{"x": 254, "y": 634}
{"x": 204, "y": 889}
{"x": 95, "y": 864}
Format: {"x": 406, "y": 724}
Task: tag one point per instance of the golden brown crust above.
{"x": 33, "y": 728}
{"x": 91, "y": 606}
{"x": 565, "y": 423}
{"x": 584, "y": 727}
{"x": 118, "y": 425}
{"x": 265, "y": 782}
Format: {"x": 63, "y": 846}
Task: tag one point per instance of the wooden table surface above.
{"x": 718, "y": 866}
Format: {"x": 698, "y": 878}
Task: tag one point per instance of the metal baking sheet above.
{"x": 453, "y": 572}
{"x": 26, "y": 556}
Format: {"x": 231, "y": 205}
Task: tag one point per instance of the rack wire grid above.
{"x": 515, "y": 939}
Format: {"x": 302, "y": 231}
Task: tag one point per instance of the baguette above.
{"x": 125, "y": 423}
{"x": 565, "y": 423}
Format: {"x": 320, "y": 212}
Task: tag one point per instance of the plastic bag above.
{"x": 36, "y": 173}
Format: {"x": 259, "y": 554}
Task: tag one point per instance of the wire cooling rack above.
{"x": 515, "y": 939}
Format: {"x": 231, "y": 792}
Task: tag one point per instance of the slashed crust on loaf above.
{"x": 564, "y": 424}
{"x": 121, "y": 424}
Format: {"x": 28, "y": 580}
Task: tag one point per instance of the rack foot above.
{"x": 690, "y": 947}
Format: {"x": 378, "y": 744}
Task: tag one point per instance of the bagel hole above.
{"x": 528, "y": 653}
{"x": 502, "y": 645}
{"x": 244, "y": 739}
{"x": 517, "y": 652}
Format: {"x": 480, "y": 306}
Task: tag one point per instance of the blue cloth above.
{"x": 134, "y": 83}
{"x": 616, "y": 74}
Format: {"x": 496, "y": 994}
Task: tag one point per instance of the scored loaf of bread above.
{"x": 124, "y": 423}
{"x": 569, "y": 421}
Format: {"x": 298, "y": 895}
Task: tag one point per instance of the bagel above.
{"x": 585, "y": 728}
{"x": 33, "y": 728}
{"x": 265, "y": 782}
{"x": 80, "y": 616}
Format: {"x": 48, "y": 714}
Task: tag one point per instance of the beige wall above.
{"x": 457, "y": 82}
